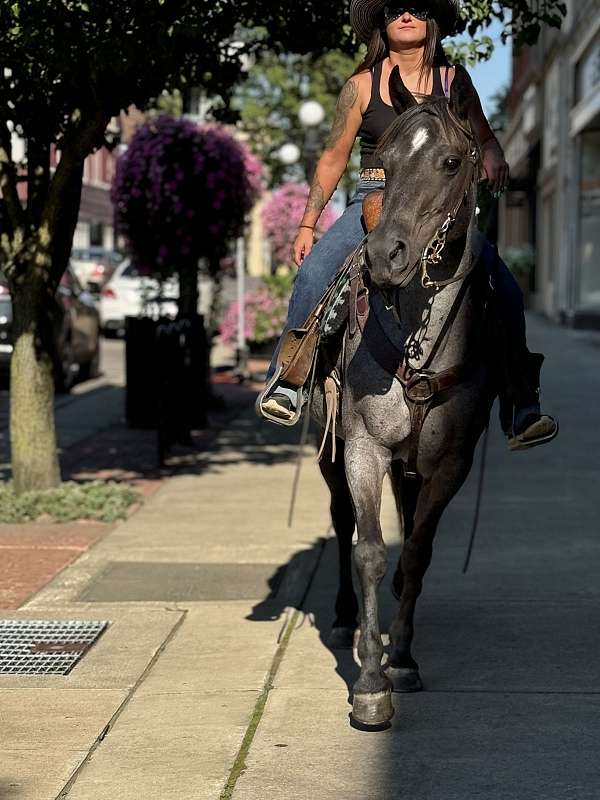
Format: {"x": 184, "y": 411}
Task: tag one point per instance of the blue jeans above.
{"x": 329, "y": 253}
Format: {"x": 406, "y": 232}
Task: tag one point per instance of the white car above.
{"x": 94, "y": 265}
{"x": 130, "y": 294}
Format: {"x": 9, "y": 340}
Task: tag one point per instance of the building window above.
{"x": 96, "y": 234}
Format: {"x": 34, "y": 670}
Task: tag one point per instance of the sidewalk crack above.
{"x": 65, "y": 791}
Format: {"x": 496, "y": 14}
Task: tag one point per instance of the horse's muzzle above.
{"x": 388, "y": 259}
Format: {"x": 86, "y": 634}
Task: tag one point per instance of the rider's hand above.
{"x": 496, "y": 168}
{"x": 302, "y": 245}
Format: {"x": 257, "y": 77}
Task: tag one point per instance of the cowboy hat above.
{"x": 364, "y": 14}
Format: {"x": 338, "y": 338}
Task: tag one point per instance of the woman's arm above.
{"x": 494, "y": 163}
{"x": 334, "y": 159}
{"x": 332, "y": 163}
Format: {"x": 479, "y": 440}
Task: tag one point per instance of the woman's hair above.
{"x": 378, "y": 49}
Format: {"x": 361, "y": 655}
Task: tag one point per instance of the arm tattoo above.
{"x": 316, "y": 198}
{"x": 345, "y": 102}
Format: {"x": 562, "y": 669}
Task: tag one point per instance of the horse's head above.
{"x": 431, "y": 164}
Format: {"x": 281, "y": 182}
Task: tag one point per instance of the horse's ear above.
{"x": 401, "y": 98}
{"x": 461, "y": 94}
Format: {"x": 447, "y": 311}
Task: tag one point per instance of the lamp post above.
{"x": 310, "y": 114}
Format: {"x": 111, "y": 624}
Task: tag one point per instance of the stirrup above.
{"x": 264, "y": 396}
{"x": 537, "y": 434}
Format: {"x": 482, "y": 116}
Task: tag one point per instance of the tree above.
{"x": 268, "y": 101}
{"x": 181, "y": 192}
{"x": 522, "y": 21}
{"x": 68, "y": 67}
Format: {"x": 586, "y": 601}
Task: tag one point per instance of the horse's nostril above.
{"x": 398, "y": 252}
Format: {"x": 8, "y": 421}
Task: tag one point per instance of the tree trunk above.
{"x": 188, "y": 289}
{"x": 32, "y": 429}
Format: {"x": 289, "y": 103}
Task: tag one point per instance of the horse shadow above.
{"x": 308, "y": 583}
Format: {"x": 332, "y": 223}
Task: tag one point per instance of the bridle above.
{"x": 432, "y": 252}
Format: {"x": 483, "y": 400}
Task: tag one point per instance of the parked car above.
{"x": 130, "y": 293}
{"x": 76, "y": 331}
{"x": 94, "y": 265}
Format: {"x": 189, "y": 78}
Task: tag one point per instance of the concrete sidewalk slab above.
{"x": 181, "y": 729}
{"x": 181, "y": 732}
{"x": 118, "y": 658}
{"x": 234, "y": 512}
{"x": 441, "y": 747}
{"x": 51, "y": 722}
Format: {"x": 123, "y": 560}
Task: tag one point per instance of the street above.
{"x": 213, "y": 679}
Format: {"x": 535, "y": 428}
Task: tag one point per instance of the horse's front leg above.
{"x": 366, "y": 465}
{"x": 434, "y": 495}
{"x": 342, "y": 518}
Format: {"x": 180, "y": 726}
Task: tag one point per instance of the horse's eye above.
{"x": 452, "y": 164}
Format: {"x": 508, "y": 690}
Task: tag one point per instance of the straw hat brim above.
{"x": 364, "y": 15}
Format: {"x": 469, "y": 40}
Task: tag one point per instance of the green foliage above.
{"x": 268, "y": 101}
{"x": 522, "y": 20}
{"x": 471, "y": 52}
{"x": 280, "y": 284}
{"x": 97, "y": 500}
{"x": 520, "y": 260}
{"x": 498, "y": 119}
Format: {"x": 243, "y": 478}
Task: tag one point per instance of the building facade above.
{"x": 552, "y": 144}
{"x": 95, "y": 226}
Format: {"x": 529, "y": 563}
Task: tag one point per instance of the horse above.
{"x": 415, "y": 380}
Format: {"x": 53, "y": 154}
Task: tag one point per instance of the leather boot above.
{"x": 529, "y": 426}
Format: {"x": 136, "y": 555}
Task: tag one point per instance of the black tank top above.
{"x": 379, "y": 116}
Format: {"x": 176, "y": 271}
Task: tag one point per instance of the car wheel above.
{"x": 66, "y": 371}
{"x": 91, "y": 369}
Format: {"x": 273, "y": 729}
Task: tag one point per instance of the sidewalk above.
{"x": 209, "y": 683}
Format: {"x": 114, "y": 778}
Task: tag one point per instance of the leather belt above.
{"x": 372, "y": 174}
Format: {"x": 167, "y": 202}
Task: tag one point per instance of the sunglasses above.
{"x": 391, "y": 13}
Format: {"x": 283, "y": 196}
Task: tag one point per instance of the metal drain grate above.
{"x": 45, "y": 646}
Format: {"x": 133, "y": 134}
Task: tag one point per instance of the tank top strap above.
{"x": 376, "y": 82}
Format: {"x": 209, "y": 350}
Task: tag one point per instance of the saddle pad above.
{"x": 336, "y": 312}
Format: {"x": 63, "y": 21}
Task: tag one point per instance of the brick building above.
{"x": 552, "y": 144}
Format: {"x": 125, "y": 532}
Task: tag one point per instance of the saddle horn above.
{"x": 371, "y": 209}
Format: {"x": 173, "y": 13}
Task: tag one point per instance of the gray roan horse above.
{"x": 431, "y": 314}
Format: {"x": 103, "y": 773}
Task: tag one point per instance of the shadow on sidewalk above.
{"x": 309, "y": 582}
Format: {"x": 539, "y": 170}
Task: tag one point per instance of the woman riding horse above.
{"x": 408, "y": 38}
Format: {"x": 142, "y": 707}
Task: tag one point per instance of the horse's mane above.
{"x": 438, "y": 107}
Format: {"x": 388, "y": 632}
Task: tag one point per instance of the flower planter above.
{"x": 166, "y": 373}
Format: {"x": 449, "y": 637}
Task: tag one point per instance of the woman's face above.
{"x": 404, "y": 28}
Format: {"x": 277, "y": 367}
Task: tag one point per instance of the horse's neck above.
{"x": 436, "y": 327}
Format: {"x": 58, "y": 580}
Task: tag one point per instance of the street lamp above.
{"x": 311, "y": 114}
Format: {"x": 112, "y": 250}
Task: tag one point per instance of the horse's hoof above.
{"x": 341, "y": 638}
{"x": 372, "y": 711}
{"x": 404, "y": 679}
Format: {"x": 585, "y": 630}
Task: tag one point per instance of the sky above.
{"x": 495, "y": 73}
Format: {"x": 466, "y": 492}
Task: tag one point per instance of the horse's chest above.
{"x": 373, "y": 405}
